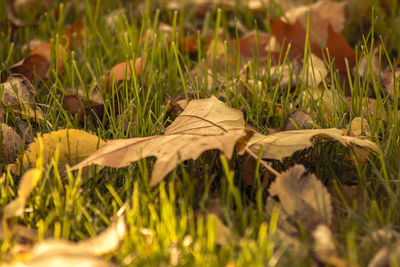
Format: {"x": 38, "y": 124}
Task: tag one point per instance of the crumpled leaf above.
{"x": 303, "y": 196}
{"x": 283, "y": 144}
{"x": 73, "y": 146}
{"x": 26, "y": 185}
{"x": 204, "y": 125}
{"x": 84, "y": 253}
{"x": 19, "y": 94}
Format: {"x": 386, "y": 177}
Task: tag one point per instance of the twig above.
{"x": 263, "y": 163}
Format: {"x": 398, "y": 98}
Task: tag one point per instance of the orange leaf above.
{"x": 122, "y": 70}
{"x": 339, "y": 49}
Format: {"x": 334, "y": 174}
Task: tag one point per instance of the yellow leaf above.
{"x": 73, "y": 145}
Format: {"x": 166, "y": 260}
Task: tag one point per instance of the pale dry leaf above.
{"x": 106, "y": 241}
{"x": 52, "y": 252}
{"x": 324, "y": 248}
{"x": 303, "y": 196}
{"x": 291, "y": 73}
{"x": 283, "y": 144}
{"x": 222, "y": 233}
{"x": 73, "y": 145}
{"x": 322, "y": 13}
{"x": 204, "y": 125}
{"x": 370, "y": 65}
{"x": 390, "y": 82}
{"x": 388, "y": 255}
{"x": 27, "y": 184}
{"x": 358, "y": 127}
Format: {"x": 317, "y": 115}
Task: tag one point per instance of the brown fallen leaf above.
{"x": 37, "y": 65}
{"x": 297, "y": 120}
{"x": 82, "y": 107}
{"x": 303, "y": 197}
{"x": 283, "y": 144}
{"x": 10, "y": 142}
{"x": 204, "y": 125}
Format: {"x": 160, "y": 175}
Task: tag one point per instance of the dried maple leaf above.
{"x": 295, "y": 34}
{"x": 204, "y": 125}
{"x": 283, "y": 144}
{"x": 339, "y": 50}
{"x": 303, "y": 197}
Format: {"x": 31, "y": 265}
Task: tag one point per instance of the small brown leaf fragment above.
{"x": 82, "y": 107}
{"x": 204, "y": 125}
{"x": 11, "y": 143}
{"x": 303, "y": 196}
{"x": 339, "y": 50}
{"x": 297, "y": 120}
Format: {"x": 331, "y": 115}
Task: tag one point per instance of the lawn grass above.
{"x": 167, "y": 218}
